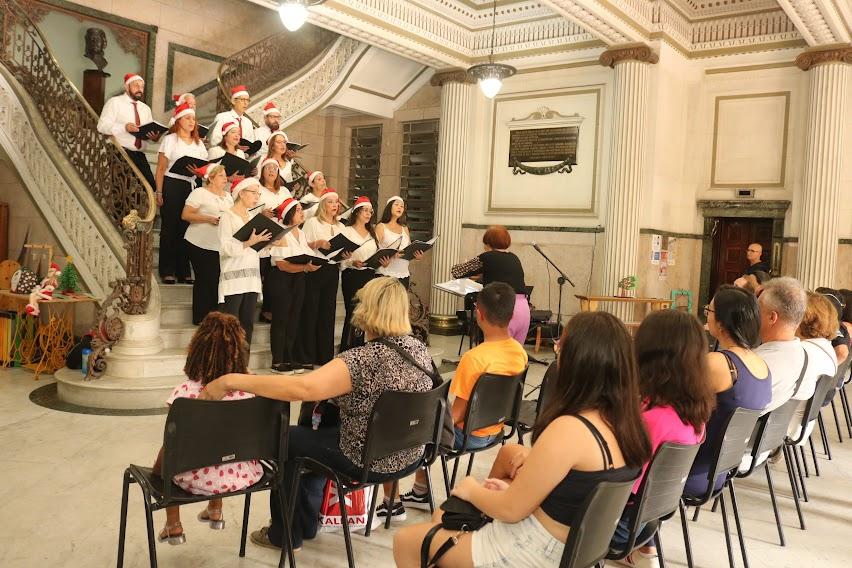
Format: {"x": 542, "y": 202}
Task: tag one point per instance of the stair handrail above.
{"x": 270, "y": 60}
{"x": 100, "y": 162}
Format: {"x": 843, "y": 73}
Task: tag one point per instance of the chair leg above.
{"x": 715, "y": 505}
{"x": 244, "y": 532}
{"x": 369, "y": 528}
{"x": 122, "y": 526}
{"x": 660, "y": 557}
{"x": 795, "y": 451}
{"x": 804, "y": 461}
{"x": 455, "y": 472}
{"x": 390, "y": 505}
{"x": 684, "y": 526}
{"x": 470, "y": 464}
{"x": 847, "y": 412}
{"x": 288, "y": 534}
{"x": 823, "y": 435}
{"x": 738, "y": 522}
{"x": 429, "y": 489}
{"x": 774, "y": 503}
{"x": 695, "y": 514}
{"x": 727, "y": 531}
{"x": 836, "y": 421}
{"x": 149, "y": 522}
{"x": 344, "y": 518}
{"x": 793, "y": 486}
{"x": 814, "y": 456}
{"x": 461, "y": 343}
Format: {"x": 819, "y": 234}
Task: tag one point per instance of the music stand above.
{"x": 560, "y": 280}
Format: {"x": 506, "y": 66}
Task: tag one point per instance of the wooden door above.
{"x": 731, "y": 237}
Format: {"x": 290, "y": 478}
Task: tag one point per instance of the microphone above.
{"x": 536, "y": 247}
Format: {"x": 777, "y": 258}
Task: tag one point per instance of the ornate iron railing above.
{"x": 271, "y": 60}
{"x": 101, "y": 164}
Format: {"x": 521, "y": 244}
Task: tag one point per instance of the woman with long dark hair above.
{"x": 594, "y": 403}
{"x": 392, "y": 232}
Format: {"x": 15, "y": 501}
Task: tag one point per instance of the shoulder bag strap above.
{"x": 802, "y": 373}
{"x": 433, "y": 374}
{"x": 425, "y": 561}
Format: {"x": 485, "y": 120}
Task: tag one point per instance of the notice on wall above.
{"x": 656, "y": 249}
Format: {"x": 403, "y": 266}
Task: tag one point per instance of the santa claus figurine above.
{"x": 43, "y": 291}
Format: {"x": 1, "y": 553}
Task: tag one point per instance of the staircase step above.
{"x": 177, "y": 336}
{"x": 175, "y": 293}
{"x": 170, "y": 362}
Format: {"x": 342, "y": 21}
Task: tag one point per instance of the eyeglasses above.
{"x": 708, "y": 310}
{"x": 752, "y": 250}
{"x": 250, "y": 191}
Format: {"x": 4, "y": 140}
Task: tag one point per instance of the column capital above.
{"x": 628, "y": 52}
{"x": 813, "y": 57}
{"x": 456, "y": 75}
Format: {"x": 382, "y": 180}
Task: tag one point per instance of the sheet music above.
{"x": 459, "y": 287}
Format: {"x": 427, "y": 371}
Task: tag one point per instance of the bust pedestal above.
{"x": 94, "y": 88}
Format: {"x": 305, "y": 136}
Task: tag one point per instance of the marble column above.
{"x": 453, "y": 141}
{"x": 627, "y": 172}
{"x": 829, "y": 71}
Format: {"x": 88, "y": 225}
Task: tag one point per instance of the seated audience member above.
{"x": 782, "y": 306}
{"x": 217, "y": 347}
{"x": 499, "y": 354}
{"x": 533, "y": 514}
{"x": 818, "y": 326}
{"x": 740, "y": 378}
{"x": 354, "y": 381}
{"x": 677, "y": 396}
{"x": 841, "y": 342}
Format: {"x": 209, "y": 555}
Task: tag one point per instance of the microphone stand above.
{"x": 560, "y": 280}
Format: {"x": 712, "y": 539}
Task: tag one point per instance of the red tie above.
{"x": 137, "y": 142}
{"x": 240, "y": 125}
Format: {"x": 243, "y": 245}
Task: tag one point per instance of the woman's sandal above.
{"x": 215, "y": 524}
{"x": 167, "y": 534}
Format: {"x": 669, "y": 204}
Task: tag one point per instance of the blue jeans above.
{"x": 473, "y": 442}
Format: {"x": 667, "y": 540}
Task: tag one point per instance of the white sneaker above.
{"x": 640, "y": 559}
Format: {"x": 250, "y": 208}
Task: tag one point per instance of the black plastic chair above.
{"x": 658, "y": 497}
{"x": 530, "y": 409}
{"x": 728, "y": 452}
{"x": 825, "y": 383}
{"x": 840, "y": 378}
{"x": 399, "y": 421}
{"x": 594, "y": 524}
{"x": 769, "y": 436}
{"x": 203, "y": 433}
{"x": 496, "y": 399}
{"x": 467, "y": 317}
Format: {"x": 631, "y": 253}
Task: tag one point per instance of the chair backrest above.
{"x": 402, "y": 420}
{"x": 544, "y": 391}
{"x": 824, "y": 384}
{"x": 594, "y": 524}
{"x": 202, "y": 433}
{"x": 665, "y": 478}
{"x": 840, "y": 379}
{"x": 495, "y": 399}
{"x": 731, "y": 446}
{"x": 769, "y": 434}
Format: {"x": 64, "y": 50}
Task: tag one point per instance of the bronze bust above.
{"x": 96, "y": 43}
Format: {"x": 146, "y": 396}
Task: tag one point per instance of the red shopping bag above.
{"x": 357, "y": 505}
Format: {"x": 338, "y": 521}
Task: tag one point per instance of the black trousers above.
{"x": 174, "y": 259}
{"x": 265, "y": 267}
{"x": 352, "y": 281}
{"x": 287, "y": 294}
{"x": 242, "y": 306}
{"x": 139, "y": 158}
{"x": 318, "y": 314}
{"x": 322, "y": 445}
{"x": 205, "y": 290}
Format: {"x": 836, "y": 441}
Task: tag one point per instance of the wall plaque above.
{"x": 544, "y": 136}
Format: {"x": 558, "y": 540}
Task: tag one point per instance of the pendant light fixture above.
{"x": 490, "y": 75}
{"x": 294, "y": 13}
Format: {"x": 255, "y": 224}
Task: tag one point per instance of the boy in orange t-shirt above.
{"x": 498, "y": 354}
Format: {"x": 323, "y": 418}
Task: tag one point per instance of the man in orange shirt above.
{"x": 499, "y": 354}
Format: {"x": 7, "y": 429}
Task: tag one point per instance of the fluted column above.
{"x": 626, "y": 172}
{"x": 824, "y": 153}
{"x": 453, "y": 145}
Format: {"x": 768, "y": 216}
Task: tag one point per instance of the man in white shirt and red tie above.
{"x": 122, "y": 115}
{"x": 239, "y": 103}
{"x": 271, "y": 123}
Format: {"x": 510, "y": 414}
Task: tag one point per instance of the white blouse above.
{"x": 367, "y": 250}
{"x": 205, "y": 235}
{"x": 398, "y": 267}
{"x": 239, "y": 265}
{"x": 307, "y": 199}
{"x": 318, "y": 230}
{"x": 294, "y": 245}
{"x": 173, "y": 148}
{"x": 271, "y": 200}
{"x": 217, "y": 152}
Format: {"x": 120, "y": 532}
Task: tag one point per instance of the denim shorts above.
{"x": 473, "y": 442}
{"x": 524, "y": 544}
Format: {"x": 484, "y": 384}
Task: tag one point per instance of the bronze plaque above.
{"x": 544, "y": 145}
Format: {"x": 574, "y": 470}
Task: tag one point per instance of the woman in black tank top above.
{"x": 595, "y": 404}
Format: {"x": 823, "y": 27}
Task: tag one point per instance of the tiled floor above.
{"x": 60, "y": 490}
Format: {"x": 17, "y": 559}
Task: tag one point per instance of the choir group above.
{"x": 295, "y": 262}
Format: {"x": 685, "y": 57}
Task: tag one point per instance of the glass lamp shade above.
{"x": 490, "y": 77}
{"x": 490, "y": 86}
{"x": 293, "y": 14}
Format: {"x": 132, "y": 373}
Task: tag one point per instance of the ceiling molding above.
{"x": 821, "y": 22}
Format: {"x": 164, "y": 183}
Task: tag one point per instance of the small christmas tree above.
{"x": 69, "y": 278}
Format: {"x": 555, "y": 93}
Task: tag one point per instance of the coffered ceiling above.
{"x": 445, "y": 33}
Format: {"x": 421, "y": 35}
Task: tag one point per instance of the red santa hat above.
{"x": 204, "y": 171}
{"x": 286, "y": 205}
{"x": 180, "y": 99}
{"x": 228, "y": 126}
{"x": 361, "y": 202}
{"x": 130, "y": 77}
{"x": 240, "y": 184}
{"x": 239, "y": 91}
{"x": 328, "y": 193}
{"x": 268, "y": 161}
{"x": 270, "y": 108}
{"x": 182, "y": 111}
{"x": 313, "y": 175}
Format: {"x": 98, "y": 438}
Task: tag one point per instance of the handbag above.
{"x": 459, "y": 515}
{"x": 448, "y": 432}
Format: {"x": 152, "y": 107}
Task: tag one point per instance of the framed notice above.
{"x": 545, "y": 148}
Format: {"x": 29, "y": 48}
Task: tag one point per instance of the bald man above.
{"x": 753, "y": 256}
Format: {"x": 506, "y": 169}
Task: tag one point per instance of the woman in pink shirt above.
{"x": 671, "y": 349}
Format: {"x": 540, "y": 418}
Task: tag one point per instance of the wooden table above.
{"x": 42, "y": 342}
{"x": 590, "y": 303}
